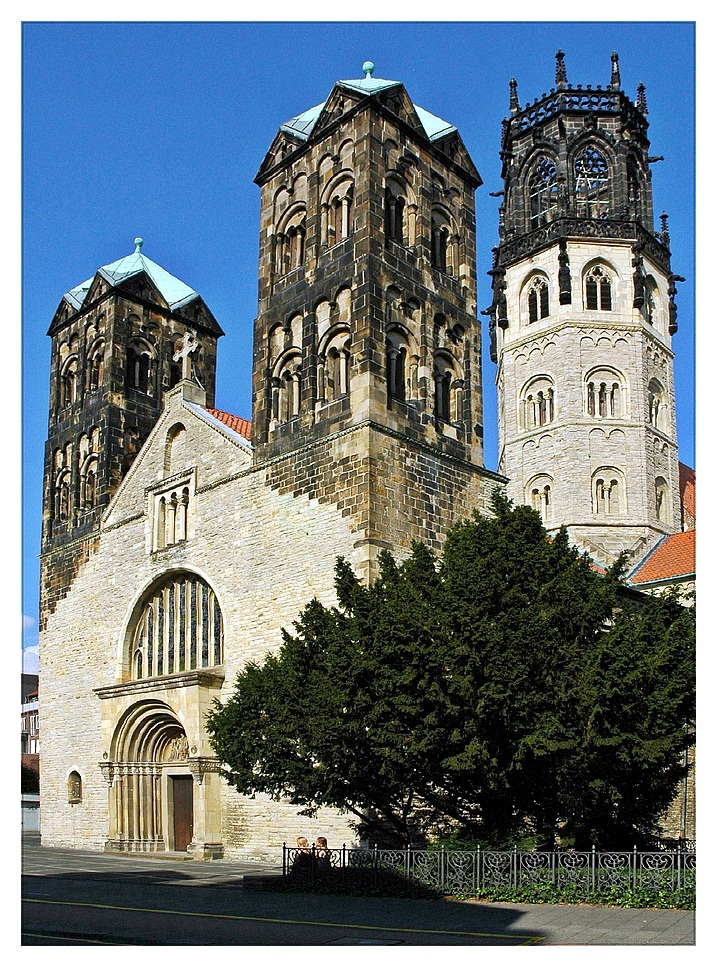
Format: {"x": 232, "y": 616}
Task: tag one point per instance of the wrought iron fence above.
{"x": 470, "y": 872}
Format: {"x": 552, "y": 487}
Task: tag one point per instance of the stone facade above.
{"x": 366, "y": 434}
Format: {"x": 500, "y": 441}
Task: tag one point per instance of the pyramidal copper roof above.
{"x": 302, "y": 125}
{"x": 175, "y": 292}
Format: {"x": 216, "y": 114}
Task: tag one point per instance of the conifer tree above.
{"x": 506, "y": 689}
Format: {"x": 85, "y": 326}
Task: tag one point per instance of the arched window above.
{"x": 542, "y": 192}
{"x": 442, "y": 244}
{"x": 657, "y": 404}
{"x": 605, "y": 394}
{"x": 333, "y": 367}
{"x": 139, "y": 369}
{"x": 608, "y": 492}
{"x": 537, "y": 403}
{"x": 286, "y": 387}
{"x": 448, "y": 383}
{"x": 68, "y": 382}
{"x": 393, "y": 217}
{"x": 289, "y": 242}
{"x": 337, "y": 212}
{"x": 74, "y": 787}
{"x": 171, "y": 517}
{"x": 63, "y": 506}
{"x": 175, "y": 449}
{"x": 592, "y": 184}
{"x": 598, "y": 289}
{"x": 662, "y": 502}
{"x": 396, "y": 364}
{"x": 539, "y": 495}
{"x": 538, "y": 299}
{"x": 179, "y": 628}
{"x": 399, "y": 213}
{"x": 95, "y": 368}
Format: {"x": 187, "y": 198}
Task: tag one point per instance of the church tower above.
{"x": 366, "y": 330}
{"x": 120, "y": 340}
{"x": 582, "y": 319}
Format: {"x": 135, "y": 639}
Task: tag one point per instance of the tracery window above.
{"x": 598, "y": 289}
{"x": 179, "y": 628}
{"x": 634, "y": 187}
{"x": 592, "y": 184}
{"x": 542, "y": 192}
{"x": 538, "y": 299}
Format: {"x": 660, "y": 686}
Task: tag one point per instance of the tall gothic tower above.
{"x": 366, "y": 343}
{"x": 120, "y": 340}
{"x": 582, "y": 318}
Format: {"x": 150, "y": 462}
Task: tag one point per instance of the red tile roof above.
{"x": 673, "y": 557}
{"x": 687, "y": 490}
{"x": 236, "y": 423}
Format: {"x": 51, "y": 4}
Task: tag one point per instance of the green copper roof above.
{"x": 174, "y": 292}
{"x": 303, "y": 124}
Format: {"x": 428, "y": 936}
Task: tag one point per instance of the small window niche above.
{"x": 74, "y": 788}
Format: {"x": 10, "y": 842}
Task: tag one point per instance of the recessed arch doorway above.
{"x": 151, "y": 787}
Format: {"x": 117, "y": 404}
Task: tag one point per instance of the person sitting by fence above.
{"x": 303, "y": 857}
{"x": 323, "y": 855}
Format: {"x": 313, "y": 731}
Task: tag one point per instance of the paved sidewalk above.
{"x": 230, "y": 894}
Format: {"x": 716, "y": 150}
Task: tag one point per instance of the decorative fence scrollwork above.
{"x": 470, "y": 872}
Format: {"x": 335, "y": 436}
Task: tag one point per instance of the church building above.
{"x": 179, "y": 539}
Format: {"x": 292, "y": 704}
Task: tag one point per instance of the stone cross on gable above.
{"x": 189, "y": 345}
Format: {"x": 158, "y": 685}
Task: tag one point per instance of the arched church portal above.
{"x": 151, "y": 788}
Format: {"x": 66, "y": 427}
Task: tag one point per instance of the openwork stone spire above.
{"x": 514, "y": 105}
{"x": 561, "y": 77}
{"x": 641, "y": 103}
{"x": 615, "y": 76}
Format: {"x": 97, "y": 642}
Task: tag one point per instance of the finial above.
{"x": 138, "y": 243}
{"x": 615, "y": 76}
{"x": 368, "y": 69}
{"x": 561, "y": 77}
{"x": 665, "y": 230}
{"x": 641, "y": 103}
{"x": 514, "y": 105}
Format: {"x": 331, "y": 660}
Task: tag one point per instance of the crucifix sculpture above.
{"x": 189, "y": 345}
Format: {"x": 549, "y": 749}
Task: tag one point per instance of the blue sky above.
{"x": 158, "y": 129}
